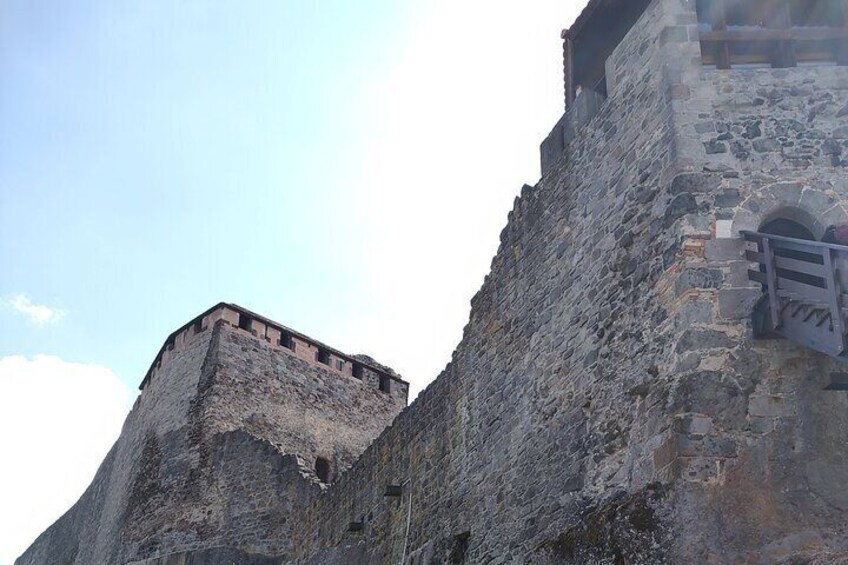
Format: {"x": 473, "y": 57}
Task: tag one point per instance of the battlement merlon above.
{"x": 360, "y": 367}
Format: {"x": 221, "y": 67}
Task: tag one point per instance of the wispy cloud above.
{"x": 36, "y": 314}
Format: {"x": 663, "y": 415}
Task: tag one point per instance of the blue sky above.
{"x": 344, "y": 168}
{"x": 156, "y": 160}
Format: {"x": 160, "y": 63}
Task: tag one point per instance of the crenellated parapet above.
{"x": 287, "y": 340}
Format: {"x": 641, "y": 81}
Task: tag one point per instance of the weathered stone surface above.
{"x": 737, "y": 303}
{"x": 593, "y": 411}
{"x": 694, "y": 183}
{"x": 681, "y": 205}
{"x": 698, "y": 278}
{"x": 216, "y": 455}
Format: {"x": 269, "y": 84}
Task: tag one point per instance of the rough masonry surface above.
{"x": 607, "y": 402}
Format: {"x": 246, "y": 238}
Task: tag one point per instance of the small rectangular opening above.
{"x": 322, "y": 356}
{"x": 245, "y": 322}
{"x": 385, "y": 384}
{"x": 198, "y": 326}
{"x": 357, "y": 371}
{"x": 340, "y": 364}
{"x": 286, "y": 340}
{"x": 393, "y": 491}
{"x": 838, "y": 381}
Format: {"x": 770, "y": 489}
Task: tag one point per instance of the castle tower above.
{"x": 239, "y": 421}
{"x": 610, "y": 400}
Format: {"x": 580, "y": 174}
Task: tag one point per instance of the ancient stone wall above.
{"x": 544, "y": 412}
{"x": 218, "y": 454}
{"x": 90, "y": 531}
{"x": 607, "y": 403}
{"x": 608, "y": 400}
{"x": 758, "y": 444}
{"x": 286, "y": 340}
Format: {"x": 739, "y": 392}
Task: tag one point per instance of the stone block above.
{"x": 665, "y": 453}
{"x": 724, "y": 249}
{"x": 680, "y": 205}
{"x": 766, "y": 145}
{"x": 694, "y": 312}
{"x": 728, "y": 199}
{"x": 695, "y": 339}
{"x": 706, "y": 446}
{"x": 693, "y": 425}
{"x": 715, "y": 147}
{"x": 737, "y": 303}
{"x": 698, "y": 278}
{"x": 695, "y": 183}
{"x": 698, "y": 469}
{"x": 771, "y": 406}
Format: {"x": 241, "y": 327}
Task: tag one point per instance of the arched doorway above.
{"x": 787, "y": 222}
{"x": 787, "y": 228}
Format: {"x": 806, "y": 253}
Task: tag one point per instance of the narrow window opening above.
{"x": 385, "y": 384}
{"x": 357, "y": 371}
{"x": 245, "y": 322}
{"x": 322, "y": 469}
{"x": 322, "y": 356}
{"x": 838, "y": 381}
{"x": 286, "y": 340}
{"x": 198, "y": 326}
{"x": 340, "y": 365}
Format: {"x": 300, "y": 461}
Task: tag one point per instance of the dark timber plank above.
{"x": 796, "y": 34}
{"x": 800, "y": 266}
{"x": 804, "y": 292}
{"x": 757, "y": 276}
{"x": 754, "y": 256}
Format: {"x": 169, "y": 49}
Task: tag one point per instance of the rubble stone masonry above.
{"x": 607, "y": 402}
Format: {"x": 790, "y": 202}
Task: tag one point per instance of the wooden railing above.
{"x": 804, "y": 283}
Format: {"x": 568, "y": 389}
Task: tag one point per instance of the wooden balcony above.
{"x": 804, "y": 284}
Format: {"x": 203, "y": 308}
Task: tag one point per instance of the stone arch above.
{"x": 789, "y": 222}
{"x": 813, "y": 208}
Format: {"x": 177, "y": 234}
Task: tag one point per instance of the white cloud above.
{"x": 37, "y": 314}
{"x": 57, "y": 422}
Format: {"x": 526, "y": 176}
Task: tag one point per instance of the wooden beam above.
{"x": 784, "y": 55}
{"x": 797, "y": 34}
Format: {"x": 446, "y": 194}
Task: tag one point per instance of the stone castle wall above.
{"x": 758, "y": 441}
{"x": 540, "y": 414}
{"x": 608, "y": 400}
{"x": 286, "y": 340}
{"x": 607, "y": 403}
{"x": 219, "y": 452}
